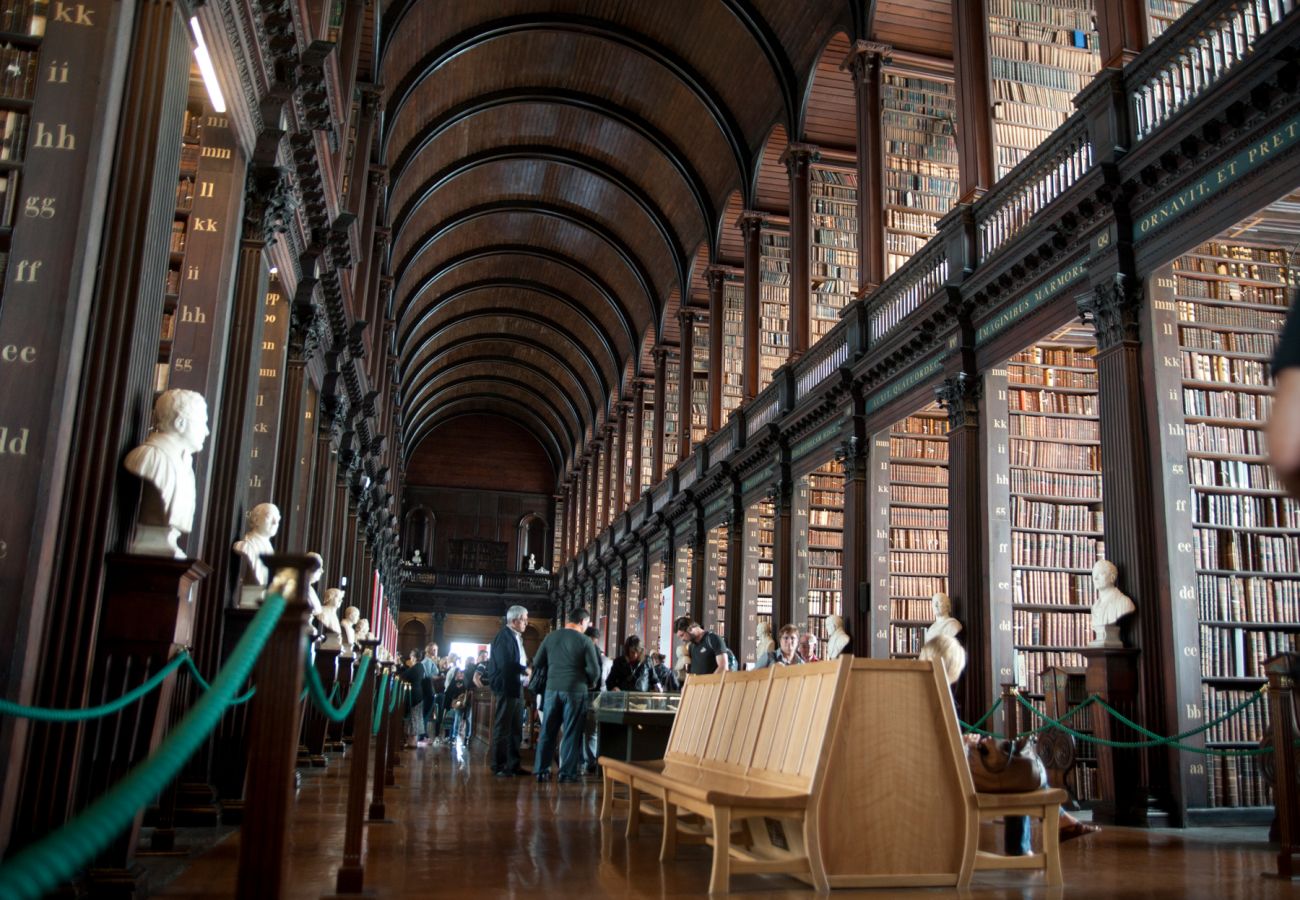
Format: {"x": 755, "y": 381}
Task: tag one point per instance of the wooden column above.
{"x": 320, "y": 511}
{"x": 735, "y": 612}
{"x": 1114, "y": 309}
{"x": 751, "y": 227}
{"x": 290, "y": 447}
{"x": 716, "y": 278}
{"x": 336, "y": 555}
{"x": 583, "y": 512}
{"x": 114, "y": 399}
{"x": 864, "y": 62}
{"x": 699, "y": 547}
{"x": 1122, "y": 31}
{"x": 685, "y": 381}
{"x": 798, "y": 158}
{"x": 638, "y": 439}
{"x": 857, "y": 589}
{"x": 593, "y": 491}
{"x": 657, "y": 459}
{"x": 620, "y": 461}
{"x": 781, "y": 493}
{"x": 960, "y": 395}
{"x": 974, "y": 100}
{"x": 609, "y": 469}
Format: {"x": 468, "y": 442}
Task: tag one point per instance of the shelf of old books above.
{"x": 610, "y": 636}
{"x": 185, "y": 186}
{"x": 760, "y": 536}
{"x": 652, "y": 615}
{"x": 631, "y": 481}
{"x": 773, "y": 301}
{"x": 918, "y": 525}
{"x": 833, "y": 217}
{"x": 733, "y": 346}
{"x": 672, "y": 418}
{"x": 23, "y": 25}
{"x": 635, "y": 599}
{"x": 1163, "y": 13}
{"x": 683, "y": 560}
{"x": 1054, "y": 461}
{"x": 917, "y": 118}
{"x": 647, "y": 444}
{"x": 819, "y": 547}
{"x": 1227, "y": 302}
{"x": 699, "y": 380}
{"x": 599, "y": 486}
{"x": 1041, "y": 54}
{"x": 715, "y": 581}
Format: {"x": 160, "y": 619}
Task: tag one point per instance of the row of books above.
{"x": 917, "y": 538}
{"x": 1032, "y": 375}
{"x": 909, "y": 474}
{"x": 1209, "y": 367}
{"x": 906, "y": 640}
{"x": 178, "y": 237}
{"x": 8, "y": 197}
{"x": 23, "y": 17}
{"x": 1056, "y": 484}
{"x": 1230, "y": 292}
{"x": 1055, "y": 550}
{"x": 1052, "y": 402}
{"x": 833, "y": 559}
{"x": 918, "y": 563}
{"x": 916, "y": 221}
{"x": 911, "y": 609}
{"x": 1268, "y": 273}
{"x": 833, "y": 498}
{"x": 1246, "y": 551}
{"x": 1227, "y": 404}
{"x": 926, "y": 496}
{"x": 1231, "y": 473}
{"x": 1203, "y": 437}
{"x": 913, "y": 517}
{"x": 1040, "y": 355}
{"x": 918, "y": 587}
{"x": 1236, "y": 781}
{"x": 1246, "y": 512}
{"x": 1245, "y": 727}
{"x": 1038, "y": 32}
{"x": 1044, "y": 454}
{"x": 825, "y": 579}
{"x": 13, "y": 136}
{"x": 1032, "y": 48}
{"x": 1240, "y": 653}
{"x": 1032, "y": 587}
{"x": 1054, "y": 516}
{"x": 1057, "y": 629}
{"x": 829, "y": 517}
{"x": 826, "y": 538}
{"x": 914, "y": 448}
{"x": 1046, "y": 426}
{"x": 903, "y": 180}
{"x": 1229, "y": 341}
{"x": 17, "y": 73}
{"x": 1029, "y": 666}
{"x": 824, "y": 481}
{"x": 1253, "y": 598}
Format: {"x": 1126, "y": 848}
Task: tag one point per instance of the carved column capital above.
{"x": 268, "y": 203}
{"x": 751, "y": 222}
{"x": 849, "y": 455}
{"x": 1113, "y": 310}
{"x": 959, "y": 396}
{"x": 864, "y": 57}
{"x": 798, "y": 157}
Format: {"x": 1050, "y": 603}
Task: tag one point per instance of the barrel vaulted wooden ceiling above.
{"x": 561, "y": 173}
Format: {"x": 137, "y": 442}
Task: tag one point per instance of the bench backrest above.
{"x": 694, "y": 719}
{"x": 797, "y": 724}
{"x": 735, "y": 726}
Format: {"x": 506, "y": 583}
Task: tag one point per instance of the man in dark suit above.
{"x": 507, "y": 670}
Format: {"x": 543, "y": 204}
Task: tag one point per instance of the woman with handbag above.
{"x": 1000, "y": 766}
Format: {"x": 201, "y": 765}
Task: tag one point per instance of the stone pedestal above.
{"x": 1121, "y": 773}
{"x": 147, "y": 618}
{"x": 326, "y": 664}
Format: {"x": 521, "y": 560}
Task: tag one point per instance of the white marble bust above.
{"x": 764, "y": 646}
{"x": 941, "y": 642}
{"x": 363, "y": 629}
{"x": 328, "y": 618}
{"x": 165, "y": 463}
{"x": 837, "y": 639}
{"x": 1111, "y": 605}
{"x": 263, "y": 523}
{"x": 348, "y": 625}
{"x": 313, "y": 599}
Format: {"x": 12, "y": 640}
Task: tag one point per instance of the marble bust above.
{"x": 1111, "y": 605}
{"x": 941, "y": 642}
{"x": 763, "y": 644}
{"x": 363, "y": 629}
{"x": 348, "y": 625}
{"x": 328, "y": 619}
{"x": 313, "y": 599}
{"x": 263, "y": 523}
{"x": 837, "y": 639}
{"x": 164, "y": 462}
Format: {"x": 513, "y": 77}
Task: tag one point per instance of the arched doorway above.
{"x": 413, "y": 636}
{"x": 417, "y": 535}
{"x": 532, "y": 542}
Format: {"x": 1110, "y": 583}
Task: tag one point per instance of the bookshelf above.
{"x": 918, "y": 525}
{"x": 819, "y": 525}
{"x": 650, "y": 623}
{"x": 920, "y": 160}
{"x": 635, "y": 600}
{"x": 1041, "y": 54}
{"x": 833, "y": 220}
{"x": 773, "y": 301}
{"x": 611, "y": 629}
{"x": 733, "y": 346}
{"x": 23, "y": 24}
{"x": 760, "y": 535}
{"x": 715, "y": 581}
{"x": 699, "y": 379}
{"x": 1217, "y": 312}
{"x": 648, "y": 442}
{"x": 1163, "y": 13}
{"x": 1064, "y": 689}
{"x": 683, "y": 557}
{"x": 185, "y": 187}
{"x": 672, "y": 418}
{"x": 1053, "y": 494}
{"x": 598, "y": 487}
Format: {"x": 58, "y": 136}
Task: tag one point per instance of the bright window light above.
{"x": 205, "y": 68}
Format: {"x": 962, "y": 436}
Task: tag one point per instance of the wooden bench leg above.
{"x": 633, "y": 811}
{"x": 813, "y": 849}
{"x": 720, "y": 879}
{"x": 668, "y": 849}
{"x": 607, "y": 800}
{"x": 1052, "y": 844}
{"x": 967, "y": 871}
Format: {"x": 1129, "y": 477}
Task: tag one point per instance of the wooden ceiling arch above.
{"x": 493, "y": 366}
{"x": 511, "y": 411}
{"x": 437, "y": 395}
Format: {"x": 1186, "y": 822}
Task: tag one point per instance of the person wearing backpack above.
{"x": 709, "y": 653}
{"x": 632, "y": 671}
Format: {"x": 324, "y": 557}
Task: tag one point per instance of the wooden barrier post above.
{"x": 396, "y": 735}
{"x": 1286, "y": 799}
{"x": 273, "y": 736}
{"x": 352, "y": 874}
{"x": 381, "y": 753}
{"x": 1010, "y": 710}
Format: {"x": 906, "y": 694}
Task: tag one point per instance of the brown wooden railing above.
{"x": 497, "y": 582}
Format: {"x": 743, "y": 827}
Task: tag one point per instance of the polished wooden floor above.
{"x": 458, "y": 829}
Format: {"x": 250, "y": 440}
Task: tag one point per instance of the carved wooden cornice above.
{"x": 1113, "y": 310}
{"x": 959, "y": 396}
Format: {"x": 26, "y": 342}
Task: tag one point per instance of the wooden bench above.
{"x": 844, "y": 774}
{"x": 756, "y": 761}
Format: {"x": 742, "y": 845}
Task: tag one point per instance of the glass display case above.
{"x": 637, "y": 701}
{"x": 631, "y": 725}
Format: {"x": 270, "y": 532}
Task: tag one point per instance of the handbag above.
{"x": 537, "y": 682}
{"x": 459, "y": 702}
{"x": 1006, "y": 767}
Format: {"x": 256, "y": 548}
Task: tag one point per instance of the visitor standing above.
{"x": 707, "y": 650}
{"x": 572, "y": 668}
{"x": 507, "y": 669}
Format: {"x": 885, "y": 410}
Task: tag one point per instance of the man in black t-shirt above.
{"x": 708, "y": 652}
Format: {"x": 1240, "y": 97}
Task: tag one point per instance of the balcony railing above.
{"x": 493, "y": 582}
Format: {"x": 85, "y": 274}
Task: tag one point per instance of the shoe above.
{"x": 543, "y": 776}
{"x": 519, "y": 771}
{"x": 591, "y": 769}
{"x": 1072, "y": 830}
{"x": 504, "y": 773}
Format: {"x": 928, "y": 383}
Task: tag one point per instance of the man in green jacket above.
{"x": 572, "y": 668}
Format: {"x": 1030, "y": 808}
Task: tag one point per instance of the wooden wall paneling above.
{"x": 346, "y": 57}
{"x": 269, "y": 397}
{"x": 115, "y": 399}
{"x": 44, "y": 316}
{"x": 638, "y": 440}
{"x": 783, "y": 568}
{"x": 620, "y": 460}
{"x": 204, "y": 305}
{"x": 974, "y": 100}
{"x": 1122, "y": 30}
{"x": 737, "y": 590}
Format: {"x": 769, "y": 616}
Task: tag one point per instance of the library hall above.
{"x": 647, "y": 448}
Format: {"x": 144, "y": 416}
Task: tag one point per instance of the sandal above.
{"x": 1075, "y": 829}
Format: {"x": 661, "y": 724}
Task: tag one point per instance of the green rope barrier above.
{"x": 1132, "y": 745}
{"x": 53, "y": 860}
{"x": 326, "y": 705}
{"x": 975, "y": 727}
{"x": 1248, "y": 702}
{"x": 379, "y": 705}
{"x": 40, "y": 714}
{"x": 392, "y": 700}
{"x": 194, "y": 673}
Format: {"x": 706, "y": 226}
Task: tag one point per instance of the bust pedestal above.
{"x": 147, "y": 618}
{"x": 338, "y": 732}
{"x": 1122, "y": 794}
{"x": 326, "y": 664}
